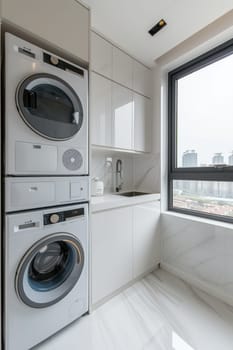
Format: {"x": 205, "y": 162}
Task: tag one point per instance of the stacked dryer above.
{"x": 46, "y": 194}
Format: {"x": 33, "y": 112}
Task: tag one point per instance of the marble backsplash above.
{"x": 141, "y": 172}
{"x": 105, "y": 170}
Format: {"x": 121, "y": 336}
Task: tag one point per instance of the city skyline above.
{"x": 214, "y": 197}
{"x": 190, "y": 159}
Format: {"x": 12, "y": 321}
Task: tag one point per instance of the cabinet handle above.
{"x": 33, "y": 189}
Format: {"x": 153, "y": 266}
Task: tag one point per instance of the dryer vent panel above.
{"x": 72, "y": 159}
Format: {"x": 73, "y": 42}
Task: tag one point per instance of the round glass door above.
{"x": 49, "y": 270}
{"x": 49, "y": 106}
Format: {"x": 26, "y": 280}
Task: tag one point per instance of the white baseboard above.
{"x": 204, "y": 286}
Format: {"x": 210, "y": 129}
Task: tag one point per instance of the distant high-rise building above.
{"x": 230, "y": 159}
{"x": 189, "y": 159}
{"x": 218, "y": 158}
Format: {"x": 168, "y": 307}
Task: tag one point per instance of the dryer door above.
{"x": 49, "y": 270}
{"x": 49, "y": 106}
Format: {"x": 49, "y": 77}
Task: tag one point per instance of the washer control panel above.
{"x": 61, "y": 216}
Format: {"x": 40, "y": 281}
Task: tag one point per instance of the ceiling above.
{"x": 126, "y": 22}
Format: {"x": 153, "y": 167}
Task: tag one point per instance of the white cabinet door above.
{"x": 122, "y": 117}
{"x": 146, "y": 237}
{"x": 101, "y": 55}
{"x": 142, "y": 123}
{"x": 142, "y": 79}
{"x": 62, "y": 23}
{"x": 111, "y": 251}
{"x": 101, "y": 111}
{"x": 122, "y": 68}
{"x": 119, "y": 117}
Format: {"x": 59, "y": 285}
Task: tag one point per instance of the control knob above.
{"x": 54, "y": 60}
{"x": 54, "y": 218}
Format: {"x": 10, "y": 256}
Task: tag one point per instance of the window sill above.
{"x": 197, "y": 219}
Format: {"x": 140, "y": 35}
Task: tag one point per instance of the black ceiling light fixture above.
{"x": 157, "y": 27}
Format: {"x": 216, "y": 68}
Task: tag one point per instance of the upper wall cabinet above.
{"x": 113, "y": 63}
{"x": 142, "y": 123}
{"x": 62, "y": 23}
{"x": 101, "y": 109}
{"x": 122, "y": 117}
{"x": 122, "y": 68}
{"x": 101, "y": 55}
{"x": 142, "y": 79}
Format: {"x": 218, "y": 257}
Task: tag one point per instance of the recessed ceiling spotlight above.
{"x": 157, "y": 27}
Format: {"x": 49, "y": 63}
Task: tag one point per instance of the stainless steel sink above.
{"x": 132, "y": 194}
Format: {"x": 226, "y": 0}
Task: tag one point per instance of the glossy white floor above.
{"x": 160, "y": 312}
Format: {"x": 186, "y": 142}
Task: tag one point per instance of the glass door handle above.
{"x": 30, "y": 99}
{"x": 76, "y": 117}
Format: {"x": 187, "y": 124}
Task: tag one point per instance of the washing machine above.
{"x": 46, "y": 269}
{"x": 46, "y": 112}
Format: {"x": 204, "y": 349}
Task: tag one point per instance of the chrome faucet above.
{"x": 119, "y": 175}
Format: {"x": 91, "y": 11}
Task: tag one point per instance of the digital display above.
{"x": 73, "y": 213}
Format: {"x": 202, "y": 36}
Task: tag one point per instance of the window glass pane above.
{"x": 205, "y": 116}
{"x": 212, "y": 197}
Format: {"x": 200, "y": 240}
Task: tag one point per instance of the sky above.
{"x": 205, "y": 111}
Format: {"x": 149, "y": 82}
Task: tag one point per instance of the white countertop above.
{"x": 110, "y": 201}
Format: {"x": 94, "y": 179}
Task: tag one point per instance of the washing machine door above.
{"x": 49, "y": 106}
{"x": 49, "y": 270}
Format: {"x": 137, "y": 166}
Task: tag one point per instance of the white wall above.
{"x": 198, "y": 250}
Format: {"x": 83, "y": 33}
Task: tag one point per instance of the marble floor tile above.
{"x": 160, "y": 312}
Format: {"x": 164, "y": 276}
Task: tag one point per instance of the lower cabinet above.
{"x": 112, "y": 251}
{"x": 146, "y": 237}
{"x": 125, "y": 244}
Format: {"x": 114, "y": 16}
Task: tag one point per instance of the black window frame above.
{"x": 193, "y": 173}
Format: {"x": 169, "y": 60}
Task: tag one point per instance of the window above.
{"x": 200, "y": 99}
